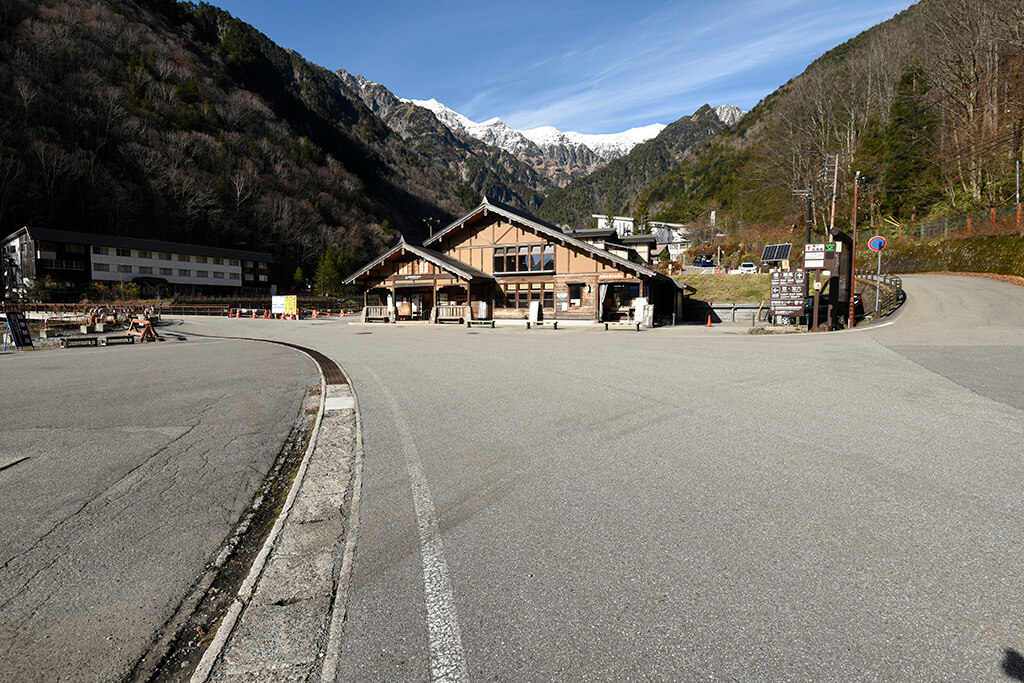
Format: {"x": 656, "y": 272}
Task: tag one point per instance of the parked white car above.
{"x": 747, "y": 267}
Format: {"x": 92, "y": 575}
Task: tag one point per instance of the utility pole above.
{"x": 835, "y": 188}
{"x": 853, "y": 254}
{"x": 431, "y": 224}
{"x": 807, "y": 194}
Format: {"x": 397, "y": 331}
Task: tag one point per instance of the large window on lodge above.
{"x": 519, "y": 295}
{"x": 525, "y": 259}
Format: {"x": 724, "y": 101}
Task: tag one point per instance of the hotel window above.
{"x": 202, "y": 273}
{"x": 101, "y": 267}
{"x": 184, "y": 272}
{"x": 124, "y": 269}
{"x": 263, "y": 278}
{"x": 535, "y": 291}
{"x": 217, "y": 261}
{"x": 124, "y": 252}
{"x": 183, "y": 257}
{"x": 217, "y": 275}
{"x": 102, "y": 251}
{"x": 165, "y": 257}
{"x": 200, "y": 259}
{"x": 167, "y": 271}
{"x": 549, "y": 257}
{"x": 74, "y": 248}
{"x": 145, "y": 254}
{"x": 145, "y": 270}
{"x": 233, "y": 262}
{"x": 233, "y": 276}
{"x": 549, "y": 295}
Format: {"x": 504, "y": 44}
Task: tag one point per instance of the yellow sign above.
{"x": 291, "y": 305}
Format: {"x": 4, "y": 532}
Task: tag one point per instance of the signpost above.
{"x": 788, "y": 291}
{"x": 877, "y": 243}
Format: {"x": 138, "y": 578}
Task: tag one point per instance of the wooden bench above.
{"x": 541, "y": 323}
{"x": 623, "y": 324}
{"x": 450, "y": 314}
{"x": 381, "y": 313}
{"x": 67, "y": 342}
{"x": 480, "y": 323}
{"x": 116, "y": 339}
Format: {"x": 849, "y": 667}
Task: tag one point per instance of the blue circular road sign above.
{"x": 876, "y": 243}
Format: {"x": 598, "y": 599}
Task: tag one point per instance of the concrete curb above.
{"x": 245, "y": 591}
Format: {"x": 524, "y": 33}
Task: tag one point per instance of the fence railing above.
{"x": 981, "y": 222}
{"x": 889, "y": 293}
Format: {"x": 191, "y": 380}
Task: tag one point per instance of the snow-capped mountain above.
{"x": 729, "y": 114}
{"x": 547, "y": 138}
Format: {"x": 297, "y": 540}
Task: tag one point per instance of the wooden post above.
{"x": 992, "y": 219}
{"x": 969, "y": 226}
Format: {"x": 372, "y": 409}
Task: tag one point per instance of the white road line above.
{"x": 447, "y": 659}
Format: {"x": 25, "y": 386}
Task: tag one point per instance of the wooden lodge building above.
{"x": 494, "y": 261}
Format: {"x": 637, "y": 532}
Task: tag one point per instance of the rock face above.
{"x": 729, "y": 114}
{"x": 488, "y": 169}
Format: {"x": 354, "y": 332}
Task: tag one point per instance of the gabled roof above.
{"x": 138, "y": 243}
{"x": 447, "y": 263}
{"x": 544, "y": 229}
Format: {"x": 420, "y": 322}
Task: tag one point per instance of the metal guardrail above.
{"x": 889, "y": 294}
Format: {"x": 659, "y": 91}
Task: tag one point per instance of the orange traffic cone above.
{"x": 709, "y": 320}
{"x": 254, "y": 313}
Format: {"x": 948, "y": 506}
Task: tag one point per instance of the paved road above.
{"x": 678, "y": 504}
{"x": 140, "y": 459}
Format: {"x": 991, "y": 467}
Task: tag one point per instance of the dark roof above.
{"x": 452, "y": 265}
{"x": 639, "y": 239}
{"x": 94, "y": 239}
{"x": 594, "y": 232}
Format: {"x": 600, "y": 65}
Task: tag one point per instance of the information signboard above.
{"x": 820, "y": 256}
{"x": 788, "y": 291}
{"x": 19, "y": 330}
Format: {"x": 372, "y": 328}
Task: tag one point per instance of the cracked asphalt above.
{"x": 139, "y": 460}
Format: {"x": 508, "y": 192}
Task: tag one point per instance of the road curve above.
{"x": 690, "y": 502}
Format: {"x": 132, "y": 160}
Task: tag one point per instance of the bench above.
{"x": 541, "y": 323}
{"x": 381, "y": 313}
{"x": 480, "y": 323}
{"x": 622, "y": 325}
{"x": 66, "y": 342}
{"x": 457, "y": 314}
{"x": 116, "y": 339}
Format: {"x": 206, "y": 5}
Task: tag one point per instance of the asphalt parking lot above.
{"x": 687, "y": 503}
{"x": 127, "y": 467}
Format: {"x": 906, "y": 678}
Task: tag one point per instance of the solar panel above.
{"x": 776, "y": 252}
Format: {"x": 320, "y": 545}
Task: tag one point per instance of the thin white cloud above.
{"x": 669, "y": 63}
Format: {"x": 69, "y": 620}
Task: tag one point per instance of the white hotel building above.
{"x": 74, "y": 260}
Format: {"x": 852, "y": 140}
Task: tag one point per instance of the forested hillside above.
{"x": 176, "y": 121}
{"x": 614, "y": 189}
{"x": 929, "y": 107}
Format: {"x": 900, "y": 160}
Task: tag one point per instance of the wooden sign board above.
{"x": 788, "y": 291}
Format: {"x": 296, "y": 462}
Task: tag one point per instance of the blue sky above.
{"x": 592, "y": 67}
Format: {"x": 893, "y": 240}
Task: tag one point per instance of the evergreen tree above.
{"x": 327, "y": 279}
{"x": 909, "y": 170}
{"x": 299, "y": 280}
